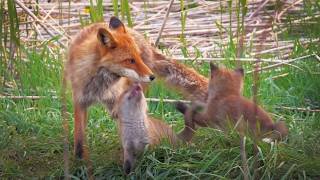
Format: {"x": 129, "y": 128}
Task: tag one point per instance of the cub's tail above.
{"x": 280, "y": 130}
{"x": 159, "y": 130}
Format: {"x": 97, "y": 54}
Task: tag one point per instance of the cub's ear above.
{"x": 240, "y": 71}
{"x": 117, "y": 25}
{"x": 106, "y": 38}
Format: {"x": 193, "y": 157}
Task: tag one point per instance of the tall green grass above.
{"x": 13, "y": 23}
{"x": 96, "y": 12}
{"x": 183, "y": 18}
{"x": 115, "y": 7}
{"x": 3, "y": 53}
{"x": 9, "y": 37}
{"x": 31, "y": 143}
{"x": 126, "y": 12}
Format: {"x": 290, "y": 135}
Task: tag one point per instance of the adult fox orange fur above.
{"x": 226, "y": 105}
{"x": 104, "y": 61}
{"x": 136, "y": 128}
{"x": 98, "y": 57}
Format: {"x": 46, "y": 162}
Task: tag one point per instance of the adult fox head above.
{"x": 120, "y": 54}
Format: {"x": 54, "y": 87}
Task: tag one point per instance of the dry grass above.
{"x": 282, "y": 37}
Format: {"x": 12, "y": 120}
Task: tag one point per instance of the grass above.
{"x": 31, "y": 144}
{"x": 31, "y": 131}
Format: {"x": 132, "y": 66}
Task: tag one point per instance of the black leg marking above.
{"x": 127, "y": 167}
{"x": 79, "y": 150}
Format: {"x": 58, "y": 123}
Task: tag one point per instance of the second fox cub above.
{"x": 225, "y": 105}
{"x": 136, "y": 128}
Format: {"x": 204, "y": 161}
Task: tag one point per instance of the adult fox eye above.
{"x": 131, "y": 61}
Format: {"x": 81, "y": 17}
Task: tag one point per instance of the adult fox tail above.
{"x": 193, "y": 85}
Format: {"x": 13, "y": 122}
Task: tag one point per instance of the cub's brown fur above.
{"x": 136, "y": 128}
{"x": 226, "y": 106}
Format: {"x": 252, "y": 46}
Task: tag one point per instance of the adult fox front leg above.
{"x": 102, "y": 61}
{"x": 80, "y": 123}
{"x": 83, "y": 98}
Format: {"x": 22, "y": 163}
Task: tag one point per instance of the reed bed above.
{"x": 210, "y": 24}
{"x": 276, "y": 42}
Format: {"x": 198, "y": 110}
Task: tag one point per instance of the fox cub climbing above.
{"x": 136, "y": 128}
{"x": 226, "y": 106}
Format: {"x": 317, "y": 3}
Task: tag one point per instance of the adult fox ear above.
{"x": 117, "y": 25}
{"x": 106, "y": 38}
{"x": 213, "y": 68}
{"x": 240, "y": 71}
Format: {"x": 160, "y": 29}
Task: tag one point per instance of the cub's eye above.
{"x": 131, "y": 61}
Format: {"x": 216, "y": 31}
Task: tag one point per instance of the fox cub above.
{"x": 136, "y": 128}
{"x": 226, "y": 106}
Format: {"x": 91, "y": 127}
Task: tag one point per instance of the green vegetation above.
{"x": 31, "y": 143}
{"x": 96, "y": 11}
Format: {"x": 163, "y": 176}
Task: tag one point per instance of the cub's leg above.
{"x": 132, "y": 150}
{"x": 128, "y": 157}
{"x": 199, "y": 114}
{"x": 189, "y": 127}
{"x": 191, "y": 118}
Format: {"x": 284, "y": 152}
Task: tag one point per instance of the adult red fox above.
{"x": 98, "y": 58}
{"x": 103, "y": 61}
{"x": 136, "y": 128}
